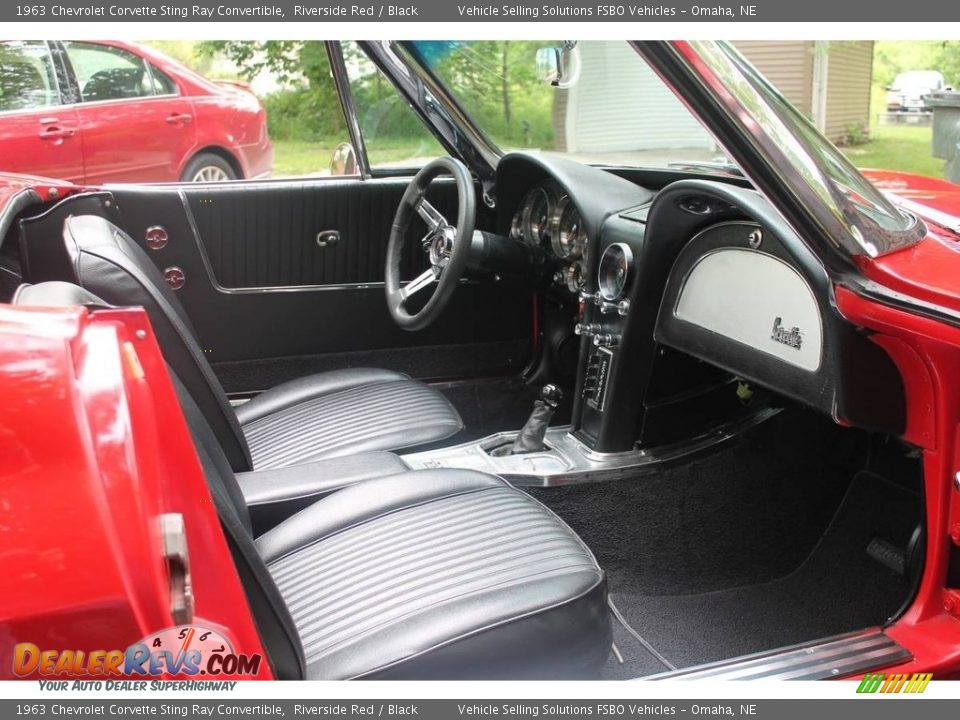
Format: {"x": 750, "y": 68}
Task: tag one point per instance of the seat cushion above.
{"x": 343, "y": 412}
{"x": 439, "y": 574}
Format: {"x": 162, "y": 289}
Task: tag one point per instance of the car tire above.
{"x": 207, "y": 167}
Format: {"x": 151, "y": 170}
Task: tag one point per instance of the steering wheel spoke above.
{"x": 426, "y": 278}
{"x": 431, "y": 216}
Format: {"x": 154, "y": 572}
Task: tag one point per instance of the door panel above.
{"x": 273, "y": 242}
{"x": 269, "y": 304}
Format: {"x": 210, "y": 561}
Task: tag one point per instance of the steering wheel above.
{"x": 447, "y": 246}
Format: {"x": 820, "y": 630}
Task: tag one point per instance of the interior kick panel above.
{"x": 747, "y": 295}
{"x": 349, "y": 315}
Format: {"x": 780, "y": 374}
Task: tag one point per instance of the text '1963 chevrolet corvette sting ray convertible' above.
{"x": 661, "y": 387}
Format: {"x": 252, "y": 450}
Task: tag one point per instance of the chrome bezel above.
{"x": 612, "y": 294}
{"x": 529, "y": 234}
{"x": 579, "y": 243}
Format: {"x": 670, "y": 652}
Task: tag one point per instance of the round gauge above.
{"x": 574, "y": 277}
{"x": 516, "y": 225}
{"x": 537, "y": 216}
{"x": 569, "y": 239}
{"x": 614, "y": 272}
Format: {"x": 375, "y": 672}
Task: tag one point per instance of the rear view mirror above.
{"x": 559, "y": 65}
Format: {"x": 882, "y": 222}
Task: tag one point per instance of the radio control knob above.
{"x": 605, "y": 340}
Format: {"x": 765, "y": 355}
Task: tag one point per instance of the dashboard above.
{"x": 548, "y": 219}
{"x": 681, "y": 292}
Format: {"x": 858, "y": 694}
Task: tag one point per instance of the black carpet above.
{"x": 746, "y": 514}
{"x": 838, "y": 588}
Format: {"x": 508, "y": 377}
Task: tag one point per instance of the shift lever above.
{"x": 534, "y": 430}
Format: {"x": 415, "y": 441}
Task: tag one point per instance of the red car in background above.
{"x": 101, "y": 112}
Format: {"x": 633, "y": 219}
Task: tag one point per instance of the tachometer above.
{"x": 614, "y": 272}
{"x": 536, "y": 216}
{"x": 569, "y": 238}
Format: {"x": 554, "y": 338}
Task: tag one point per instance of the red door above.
{"x": 135, "y": 125}
{"x": 38, "y": 136}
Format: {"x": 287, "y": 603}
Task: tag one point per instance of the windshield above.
{"x": 872, "y": 222}
{"x": 612, "y": 109}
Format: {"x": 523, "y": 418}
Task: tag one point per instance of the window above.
{"x": 108, "y": 73}
{"x": 27, "y": 78}
{"x": 163, "y": 84}
{"x": 393, "y": 134}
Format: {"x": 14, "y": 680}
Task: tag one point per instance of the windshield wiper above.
{"x": 707, "y": 166}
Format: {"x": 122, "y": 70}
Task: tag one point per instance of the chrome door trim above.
{"x": 341, "y": 80}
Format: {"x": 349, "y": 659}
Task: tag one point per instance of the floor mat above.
{"x": 839, "y": 588}
{"x": 747, "y": 513}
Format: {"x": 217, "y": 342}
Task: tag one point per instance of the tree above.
{"x": 302, "y": 65}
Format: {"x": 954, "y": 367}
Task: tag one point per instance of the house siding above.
{"x": 619, "y": 105}
{"x": 849, "y": 78}
{"x": 787, "y": 65}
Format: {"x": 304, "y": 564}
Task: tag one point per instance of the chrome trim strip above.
{"x": 341, "y": 81}
{"x": 567, "y": 460}
{"x": 829, "y": 658}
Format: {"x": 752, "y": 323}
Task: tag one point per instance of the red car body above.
{"x": 87, "y": 572}
{"x": 152, "y": 138}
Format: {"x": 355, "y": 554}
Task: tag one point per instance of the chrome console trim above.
{"x": 567, "y": 460}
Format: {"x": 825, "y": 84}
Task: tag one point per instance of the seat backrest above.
{"x": 274, "y": 623}
{"x": 108, "y": 263}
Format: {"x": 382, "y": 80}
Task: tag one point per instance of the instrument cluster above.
{"x": 547, "y": 218}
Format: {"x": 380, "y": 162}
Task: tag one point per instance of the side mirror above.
{"x": 948, "y": 88}
{"x": 560, "y": 65}
{"x": 344, "y": 160}
{"x": 889, "y": 88}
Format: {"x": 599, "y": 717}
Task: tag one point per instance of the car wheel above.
{"x": 207, "y": 167}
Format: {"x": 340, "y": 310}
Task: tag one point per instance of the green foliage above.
{"x": 895, "y": 56}
{"x": 185, "y": 52}
{"x": 497, "y": 83}
{"x": 855, "y": 134}
{"x": 310, "y": 107}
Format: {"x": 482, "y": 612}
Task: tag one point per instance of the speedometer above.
{"x": 614, "y": 272}
{"x": 569, "y": 238}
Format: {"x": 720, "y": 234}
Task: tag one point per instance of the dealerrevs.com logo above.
{"x": 184, "y": 651}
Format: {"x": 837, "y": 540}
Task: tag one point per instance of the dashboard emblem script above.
{"x": 790, "y": 337}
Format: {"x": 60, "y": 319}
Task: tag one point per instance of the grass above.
{"x": 897, "y": 147}
{"x": 891, "y": 147}
{"x": 312, "y": 157}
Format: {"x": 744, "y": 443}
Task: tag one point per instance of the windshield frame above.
{"x": 748, "y": 102}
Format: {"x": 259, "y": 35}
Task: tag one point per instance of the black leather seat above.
{"x": 320, "y": 416}
{"x": 430, "y": 574}
{"x": 439, "y": 574}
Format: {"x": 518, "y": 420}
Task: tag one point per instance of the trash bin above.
{"x": 946, "y": 130}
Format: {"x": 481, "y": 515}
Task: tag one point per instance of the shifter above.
{"x": 534, "y": 430}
